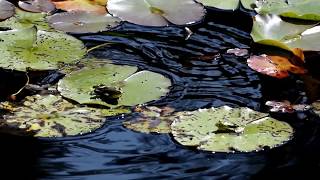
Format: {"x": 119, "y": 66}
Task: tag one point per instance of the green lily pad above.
{"x": 52, "y": 116}
{"x": 226, "y": 129}
{"x": 6, "y": 9}
{"x": 228, "y": 4}
{"x": 39, "y": 50}
{"x": 272, "y": 30}
{"x": 23, "y": 19}
{"x": 157, "y": 12}
{"x": 83, "y": 22}
{"x": 300, "y": 9}
{"x": 113, "y": 85}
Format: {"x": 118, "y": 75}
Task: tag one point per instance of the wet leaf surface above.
{"x": 37, "y": 6}
{"x": 6, "y": 9}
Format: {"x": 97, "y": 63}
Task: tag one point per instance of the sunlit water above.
{"x": 203, "y": 75}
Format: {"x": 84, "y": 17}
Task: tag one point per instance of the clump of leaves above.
{"x": 226, "y": 129}
{"x": 6, "y": 9}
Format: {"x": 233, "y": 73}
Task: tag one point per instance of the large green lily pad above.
{"x": 226, "y": 129}
{"x": 227, "y": 4}
{"x": 23, "y": 19}
{"x": 300, "y": 9}
{"x": 272, "y": 30}
{"x": 157, "y": 12}
{"x": 7, "y": 9}
{"x": 40, "y": 50}
{"x": 52, "y": 116}
{"x": 113, "y": 85}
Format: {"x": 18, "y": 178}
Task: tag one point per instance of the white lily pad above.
{"x": 39, "y": 50}
{"x": 113, "y": 85}
{"x": 227, "y": 4}
{"x": 52, "y": 116}
{"x": 83, "y": 22}
{"x": 6, "y": 9}
{"x": 157, "y": 12}
{"x": 226, "y": 129}
{"x": 272, "y": 30}
{"x": 37, "y": 6}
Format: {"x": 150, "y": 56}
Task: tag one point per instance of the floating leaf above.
{"x": 97, "y": 6}
{"x": 286, "y": 106}
{"x": 37, "y": 6}
{"x": 51, "y": 116}
{"x": 113, "y": 85}
{"x": 275, "y": 66}
{"x": 301, "y": 9}
{"x": 151, "y": 119}
{"x": 23, "y": 19}
{"x": 227, "y": 4}
{"x": 272, "y": 30}
{"x": 157, "y": 12}
{"x": 82, "y": 22}
{"x": 228, "y": 129}
{"x": 6, "y": 9}
{"x": 238, "y": 52}
{"x": 38, "y": 50}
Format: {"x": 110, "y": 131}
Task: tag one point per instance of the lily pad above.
{"x": 228, "y": 4}
{"x": 39, "y": 50}
{"x": 113, "y": 85}
{"x": 272, "y": 30}
{"x": 6, "y": 9}
{"x": 300, "y": 9}
{"x": 37, "y": 6}
{"x": 52, "y": 116}
{"x": 226, "y": 129}
{"x": 23, "y": 19}
{"x": 83, "y": 22}
{"x": 97, "y": 6}
{"x": 157, "y": 12}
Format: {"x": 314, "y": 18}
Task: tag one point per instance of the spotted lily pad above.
{"x": 23, "y": 19}
{"x": 272, "y": 30}
{"x": 52, "y": 116}
{"x": 301, "y": 9}
{"x": 113, "y": 85}
{"x": 228, "y": 4}
{"x": 157, "y": 12}
{"x": 6, "y": 9}
{"x": 226, "y": 129}
{"x": 37, "y": 6}
{"x": 40, "y": 50}
{"x": 82, "y": 22}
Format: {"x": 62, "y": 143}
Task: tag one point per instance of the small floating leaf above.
{"x": 238, "y": 52}
{"x": 97, "y": 6}
{"x": 113, "y": 85}
{"x": 272, "y": 30}
{"x": 157, "y": 12}
{"x": 82, "y": 22}
{"x": 275, "y": 66}
{"x": 51, "y": 116}
{"x": 226, "y": 129}
{"x": 6, "y": 9}
{"x": 227, "y": 4}
{"x": 286, "y": 106}
{"x": 38, "y": 50}
{"x": 37, "y": 6}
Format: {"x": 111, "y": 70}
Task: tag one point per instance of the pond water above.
{"x": 203, "y": 75}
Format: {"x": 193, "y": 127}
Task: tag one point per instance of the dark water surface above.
{"x": 204, "y": 75}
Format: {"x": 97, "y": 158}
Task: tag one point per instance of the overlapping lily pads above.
{"x": 228, "y": 129}
{"x": 157, "y": 12}
{"x": 228, "y": 4}
{"x": 83, "y": 22}
{"x": 39, "y": 50}
{"x": 6, "y": 9}
{"x": 272, "y": 30}
{"x": 51, "y": 116}
{"x": 113, "y": 85}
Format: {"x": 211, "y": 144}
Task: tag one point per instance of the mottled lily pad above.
{"x": 39, "y": 50}
{"x": 228, "y": 4}
{"x": 52, "y": 116}
{"x": 157, "y": 12}
{"x": 83, "y": 22}
{"x": 6, "y": 9}
{"x": 37, "y": 6}
{"x": 113, "y": 85}
{"x": 272, "y": 30}
{"x": 228, "y": 129}
{"x": 23, "y": 19}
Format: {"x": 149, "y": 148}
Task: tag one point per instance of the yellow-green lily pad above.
{"x": 226, "y": 129}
